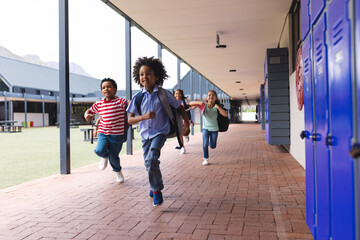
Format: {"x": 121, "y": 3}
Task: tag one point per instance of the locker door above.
{"x": 266, "y": 94}
{"x": 323, "y": 230}
{"x": 309, "y": 146}
{"x": 316, "y": 6}
{"x": 341, "y": 112}
{"x": 305, "y": 18}
{"x": 357, "y": 46}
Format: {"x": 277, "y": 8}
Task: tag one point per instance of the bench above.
{"x": 88, "y": 132}
{"x": 11, "y": 128}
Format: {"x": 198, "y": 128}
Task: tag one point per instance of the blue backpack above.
{"x": 175, "y": 118}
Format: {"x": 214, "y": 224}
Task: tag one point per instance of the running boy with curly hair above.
{"x": 150, "y": 74}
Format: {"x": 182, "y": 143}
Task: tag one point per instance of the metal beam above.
{"x": 64, "y": 87}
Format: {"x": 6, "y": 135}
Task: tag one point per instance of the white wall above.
{"x": 37, "y": 118}
{"x": 296, "y": 125}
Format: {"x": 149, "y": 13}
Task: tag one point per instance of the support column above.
{"x": 128, "y": 87}
{"x": 191, "y": 95}
{"x": 159, "y": 51}
{"x": 64, "y": 118}
{"x": 43, "y": 110}
{"x": 5, "y": 107}
{"x": 178, "y": 74}
{"x": 201, "y": 98}
{"x": 25, "y": 109}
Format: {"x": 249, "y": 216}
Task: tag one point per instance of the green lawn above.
{"x": 35, "y": 153}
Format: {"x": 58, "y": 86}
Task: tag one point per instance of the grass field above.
{"x": 35, "y": 153}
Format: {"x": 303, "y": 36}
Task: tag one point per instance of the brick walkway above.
{"x": 251, "y": 190}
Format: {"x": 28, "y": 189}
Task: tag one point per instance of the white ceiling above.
{"x": 188, "y": 28}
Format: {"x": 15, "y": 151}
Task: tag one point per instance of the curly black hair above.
{"x": 108, "y": 80}
{"x": 155, "y": 64}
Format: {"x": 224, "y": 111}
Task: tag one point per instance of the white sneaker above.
{"x": 103, "y": 163}
{"x": 119, "y": 177}
{"x": 186, "y": 138}
{"x": 205, "y": 162}
{"x": 182, "y": 150}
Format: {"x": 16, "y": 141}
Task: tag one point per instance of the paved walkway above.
{"x": 251, "y": 190}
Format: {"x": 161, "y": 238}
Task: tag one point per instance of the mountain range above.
{"x": 35, "y": 59}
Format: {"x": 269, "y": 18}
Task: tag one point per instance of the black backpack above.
{"x": 175, "y": 118}
{"x": 223, "y": 122}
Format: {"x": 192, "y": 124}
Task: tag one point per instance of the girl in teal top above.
{"x": 209, "y": 111}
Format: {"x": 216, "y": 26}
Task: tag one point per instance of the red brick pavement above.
{"x": 251, "y": 190}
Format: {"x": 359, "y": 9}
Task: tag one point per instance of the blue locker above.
{"x": 341, "y": 112}
{"x": 262, "y": 107}
{"x": 316, "y": 7}
{"x": 266, "y": 104}
{"x": 309, "y": 128}
{"x": 357, "y": 43}
{"x": 322, "y": 154}
{"x": 305, "y": 18}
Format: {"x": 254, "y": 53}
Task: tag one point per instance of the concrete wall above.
{"x": 37, "y": 118}
{"x": 297, "y": 145}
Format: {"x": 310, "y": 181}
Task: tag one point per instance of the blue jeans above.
{"x": 151, "y": 148}
{"x": 109, "y": 146}
{"x": 212, "y": 136}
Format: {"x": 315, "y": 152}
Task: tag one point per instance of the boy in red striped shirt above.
{"x": 111, "y": 127}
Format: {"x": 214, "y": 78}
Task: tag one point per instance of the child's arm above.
{"x": 88, "y": 116}
{"x": 132, "y": 119}
{"x": 195, "y": 103}
{"x": 183, "y": 113}
{"x": 96, "y": 127}
{"x": 221, "y": 110}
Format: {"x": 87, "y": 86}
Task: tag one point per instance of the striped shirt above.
{"x": 112, "y": 114}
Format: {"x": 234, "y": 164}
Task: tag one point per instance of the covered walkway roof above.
{"x": 188, "y": 28}
{"x": 251, "y": 190}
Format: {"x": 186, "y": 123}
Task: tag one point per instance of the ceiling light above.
{"x": 218, "y": 45}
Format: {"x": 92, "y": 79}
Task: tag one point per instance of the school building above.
{"x": 299, "y": 61}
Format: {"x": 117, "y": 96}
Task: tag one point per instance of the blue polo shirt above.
{"x": 160, "y": 124}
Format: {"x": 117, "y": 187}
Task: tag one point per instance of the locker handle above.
{"x": 303, "y": 134}
{"x": 355, "y": 150}
{"x": 329, "y": 140}
{"x": 314, "y": 137}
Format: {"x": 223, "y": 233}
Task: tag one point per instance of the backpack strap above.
{"x": 138, "y": 100}
{"x": 165, "y": 103}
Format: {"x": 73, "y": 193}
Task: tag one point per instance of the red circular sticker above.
{"x": 299, "y": 80}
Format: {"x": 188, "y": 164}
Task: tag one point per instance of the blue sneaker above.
{"x": 158, "y": 199}
{"x": 151, "y": 193}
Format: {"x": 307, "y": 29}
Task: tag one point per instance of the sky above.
{"x": 96, "y": 37}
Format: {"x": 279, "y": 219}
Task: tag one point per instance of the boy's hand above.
{"x": 88, "y": 117}
{"x": 95, "y": 133}
{"x": 149, "y": 115}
